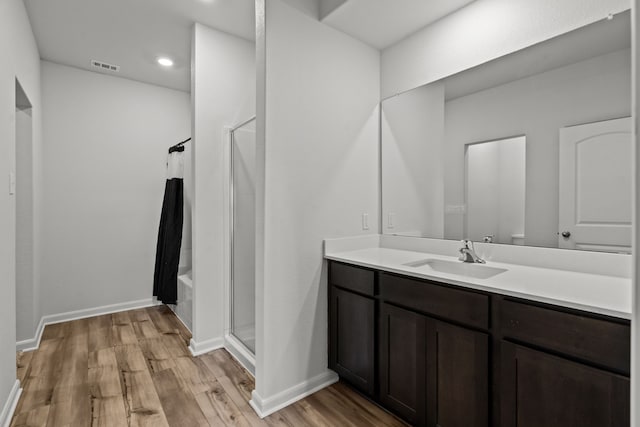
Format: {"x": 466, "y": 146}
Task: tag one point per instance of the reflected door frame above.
{"x": 472, "y": 232}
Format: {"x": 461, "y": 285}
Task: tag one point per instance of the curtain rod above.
{"x": 179, "y": 144}
{"x": 238, "y": 126}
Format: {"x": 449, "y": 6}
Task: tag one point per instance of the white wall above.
{"x": 537, "y": 106}
{"x": 482, "y": 31}
{"x": 223, "y": 94}
{"x": 412, "y": 173}
{"x": 104, "y": 174}
{"x": 320, "y": 160}
{"x": 20, "y": 59}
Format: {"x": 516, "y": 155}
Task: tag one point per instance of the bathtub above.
{"x": 185, "y": 297}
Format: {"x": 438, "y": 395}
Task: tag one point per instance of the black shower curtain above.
{"x": 165, "y": 278}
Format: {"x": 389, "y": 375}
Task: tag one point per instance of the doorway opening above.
{"x": 21, "y": 192}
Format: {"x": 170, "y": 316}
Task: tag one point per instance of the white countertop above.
{"x": 596, "y": 293}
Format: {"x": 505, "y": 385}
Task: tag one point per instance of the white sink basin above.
{"x": 477, "y": 271}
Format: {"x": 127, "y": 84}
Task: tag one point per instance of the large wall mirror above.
{"x": 533, "y": 148}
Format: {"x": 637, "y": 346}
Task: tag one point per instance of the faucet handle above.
{"x": 468, "y": 244}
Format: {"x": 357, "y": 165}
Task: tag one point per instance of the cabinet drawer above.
{"x": 354, "y": 278}
{"x": 470, "y": 308}
{"x": 597, "y": 340}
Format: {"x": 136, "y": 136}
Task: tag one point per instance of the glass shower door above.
{"x": 243, "y": 149}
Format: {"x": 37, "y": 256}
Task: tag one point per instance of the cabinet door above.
{"x": 539, "y": 389}
{"x": 403, "y": 362}
{"x": 352, "y": 338}
{"x": 457, "y": 376}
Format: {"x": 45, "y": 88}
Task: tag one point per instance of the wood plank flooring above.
{"x": 134, "y": 369}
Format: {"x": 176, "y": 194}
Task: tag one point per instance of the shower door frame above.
{"x": 231, "y": 340}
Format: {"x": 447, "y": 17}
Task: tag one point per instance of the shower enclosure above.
{"x": 242, "y": 215}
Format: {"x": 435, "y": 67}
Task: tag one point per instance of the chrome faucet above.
{"x": 468, "y": 253}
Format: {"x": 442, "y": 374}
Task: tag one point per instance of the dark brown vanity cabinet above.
{"x": 352, "y": 328}
{"x": 562, "y": 368}
{"x": 457, "y": 376}
{"x": 403, "y": 362}
{"x": 432, "y": 372}
{"x": 444, "y": 356}
{"x": 541, "y": 389}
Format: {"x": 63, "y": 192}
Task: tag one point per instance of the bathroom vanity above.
{"x": 506, "y": 152}
{"x": 445, "y": 347}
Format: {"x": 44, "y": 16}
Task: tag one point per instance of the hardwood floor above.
{"x": 134, "y": 369}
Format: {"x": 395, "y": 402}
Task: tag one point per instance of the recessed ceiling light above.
{"x": 165, "y": 62}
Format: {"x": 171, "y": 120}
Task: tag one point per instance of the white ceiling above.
{"x": 133, "y": 33}
{"x": 590, "y": 41}
{"x": 381, "y": 23}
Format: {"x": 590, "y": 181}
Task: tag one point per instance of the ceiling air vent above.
{"x": 104, "y": 66}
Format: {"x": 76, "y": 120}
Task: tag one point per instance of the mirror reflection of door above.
{"x": 595, "y": 186}
{"x": 495, "y": 191}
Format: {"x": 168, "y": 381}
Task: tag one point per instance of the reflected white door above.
{"x": 595, "y": 186}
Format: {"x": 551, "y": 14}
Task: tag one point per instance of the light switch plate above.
{"x": 391, "y": 220}
{"x": 12, "y": 183}
{"x": 365, "y": 221}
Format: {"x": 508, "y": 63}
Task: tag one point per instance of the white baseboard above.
{"x": 202, "y": 347}
{"x": 266, "y": 407}
{"x": 242, "y": 354}
{"x": 34, "y": 343}
{"x": 10, "y": 405}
